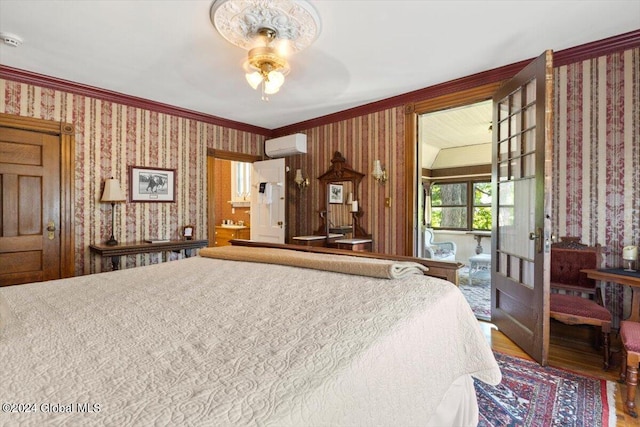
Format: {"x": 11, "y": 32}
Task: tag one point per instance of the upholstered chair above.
{"x": 630, "y": 335}
{"x": 575, "y": 299}
{"x": 438, "y": 251}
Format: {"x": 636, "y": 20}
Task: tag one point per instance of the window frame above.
{"x": 470, "y": 204}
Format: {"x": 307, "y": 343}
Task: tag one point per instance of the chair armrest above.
{"x": 429, "y": 253}
{"x": 446, "y": 246}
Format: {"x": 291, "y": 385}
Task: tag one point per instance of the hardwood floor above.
{"x": 574, "y": 357}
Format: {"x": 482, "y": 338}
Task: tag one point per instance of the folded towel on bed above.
{"x": 385, "y": 269}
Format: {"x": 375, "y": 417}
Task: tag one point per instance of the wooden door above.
{"x": 34, "y": 230}
{"x": 522, "y": 143}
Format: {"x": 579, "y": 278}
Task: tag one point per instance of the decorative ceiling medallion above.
{"x": 239, "y": 21}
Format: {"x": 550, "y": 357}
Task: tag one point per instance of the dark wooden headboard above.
{"x": 442, "y": 269}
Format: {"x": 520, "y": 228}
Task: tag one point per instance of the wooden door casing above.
{"x": 36, "y": 186}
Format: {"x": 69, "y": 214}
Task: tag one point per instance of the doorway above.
{"x": 36, "y": 176}
{"x": 455, "y": 198}
{"x": 221, "y": 205}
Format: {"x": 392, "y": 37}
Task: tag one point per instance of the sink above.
{"x": 234, "y": 226}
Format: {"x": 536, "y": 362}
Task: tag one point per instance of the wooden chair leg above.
{"x": 632, "y": 383}
{"x": 623, "y": 367}
{"x": 605, "y": 337}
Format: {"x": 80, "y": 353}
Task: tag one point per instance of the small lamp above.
{"x": 302, "y": 182}
{"x": 630, "y": 254}
{"x": 378, "y": 173}
{"x": 112, "y": 194}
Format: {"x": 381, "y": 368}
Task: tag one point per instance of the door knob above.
{"x": 537, "y": 236}
{"x": 51, "y": 228}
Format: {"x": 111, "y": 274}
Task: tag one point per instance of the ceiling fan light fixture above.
{"x": 275, "y": 78}
{"x": 270, "y": 88}
{"x": 269, "y": 30}
{"x": 254, "y": 79}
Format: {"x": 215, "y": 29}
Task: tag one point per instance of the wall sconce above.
{"x": 378, "y": 173}
{"x": 112, "y": 194}
{"x": 302, "y": 182}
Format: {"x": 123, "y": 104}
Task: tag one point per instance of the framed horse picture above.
{"x": 152, "y": 184}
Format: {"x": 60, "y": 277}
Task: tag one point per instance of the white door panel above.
{"x": 268, "y": 206}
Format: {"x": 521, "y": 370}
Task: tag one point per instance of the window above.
{"x": 240, "y": 184}
{"x": 461, "y": 205}
{"x": 481, "y": 218}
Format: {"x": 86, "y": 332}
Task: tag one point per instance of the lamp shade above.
{"x": 377, "y": 169}
{"x": 350, "y": 198}
{"x": 298, "y": 179}
{"x": 254, "y": 79}
{"x": 630, "y": 253}
{"x": 112, "y": 192}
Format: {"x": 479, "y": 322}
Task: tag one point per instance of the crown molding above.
{"x": 28, "y": 77}
{"x": 567, "y": 56}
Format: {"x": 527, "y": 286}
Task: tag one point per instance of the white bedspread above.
{"x": 212, "y": 342}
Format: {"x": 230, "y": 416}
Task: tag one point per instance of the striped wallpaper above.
{"x": 376, "y": 136}
{"x": 111, "y": 137}
{"x": 596, "y": 170}
{"x": 597, "y": 156}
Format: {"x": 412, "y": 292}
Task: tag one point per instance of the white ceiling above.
{"x": 168, "y": 50}
{"x": 454, "y": 130}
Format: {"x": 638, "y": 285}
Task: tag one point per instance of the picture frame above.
{"x": 147, "y": 184}
{"x": 335, "y": 193}
{"x": 188, "y": 232}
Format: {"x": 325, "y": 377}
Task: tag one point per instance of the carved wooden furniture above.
{"x": 354, "y": 244}
{"x": 568, "y": 259}
{"x": 316, "y": 240}
{"x": 123, "y": 249}
{"x": 630, "y": 335}
{"x": 629, "y": 331}
{"x": 340, "y": 173}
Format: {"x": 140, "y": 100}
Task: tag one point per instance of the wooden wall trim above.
{"x": 459, "y": 171}
{"x": 579, "y": 53}
{"x": 602, "y": 47}
{"x": 66, "y": 134}
{"x": 574, "y": 54}
{"x": 410, "y": 178}
{"x": 472, "y": 95}
{"x": 232, "y": 155}
{"x": 27, "y": 77}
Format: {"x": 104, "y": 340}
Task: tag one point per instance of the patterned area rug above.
{"x": 478, "y": 294}
{"x": 532, "y": 396}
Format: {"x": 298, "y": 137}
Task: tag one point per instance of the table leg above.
{"x": 115, "y": 263}
{"x": 479, "y": 248}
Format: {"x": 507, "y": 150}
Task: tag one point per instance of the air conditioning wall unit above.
{"x": 286, "y": 145}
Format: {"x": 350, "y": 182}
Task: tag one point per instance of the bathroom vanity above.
{"x": 225, "y": 233}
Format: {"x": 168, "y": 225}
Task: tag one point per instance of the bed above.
{"x": 243, "y": 336}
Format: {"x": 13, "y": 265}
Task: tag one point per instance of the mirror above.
{"x": 339, "y": 214}
{"x": 339, "y": 187}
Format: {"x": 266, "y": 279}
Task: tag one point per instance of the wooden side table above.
{"x": 358, "y": 245}
{"x": 622, "y": 277}
{"x": 134, "y": 248}
{"x": 315, "y": 240}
